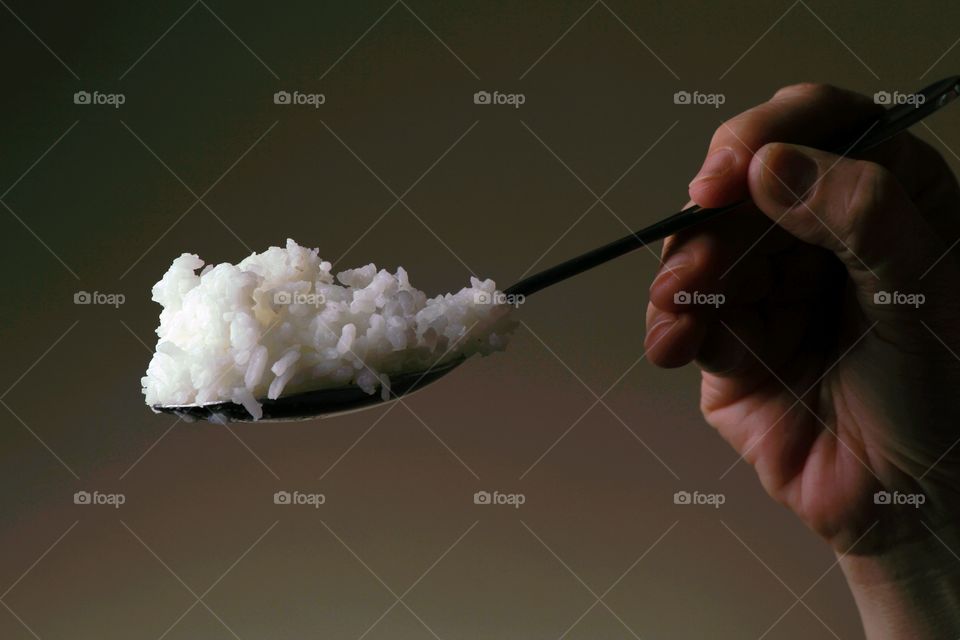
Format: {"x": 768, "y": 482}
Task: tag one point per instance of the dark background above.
{"x": 102, "y": 199}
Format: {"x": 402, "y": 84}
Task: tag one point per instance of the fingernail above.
{"x": 717, "y": 163}
{"x": 674, "y": 263}
{"x": 789, "y": 174}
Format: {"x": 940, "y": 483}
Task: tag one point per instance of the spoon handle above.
{"x": 893, "y": 121}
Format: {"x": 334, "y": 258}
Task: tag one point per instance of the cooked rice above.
{"x": 278, "y": 323}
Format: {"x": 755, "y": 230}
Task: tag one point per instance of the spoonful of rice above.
{"x": 279, "y": 337}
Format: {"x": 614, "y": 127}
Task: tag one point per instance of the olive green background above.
{"x": 102, "y": 199}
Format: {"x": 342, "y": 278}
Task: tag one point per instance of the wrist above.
{"x": 910, "y": 590}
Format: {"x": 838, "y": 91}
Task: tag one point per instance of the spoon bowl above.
{"x": 308, "y": 405}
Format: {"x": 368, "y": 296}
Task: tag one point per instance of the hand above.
{"x": 829, "y": 390}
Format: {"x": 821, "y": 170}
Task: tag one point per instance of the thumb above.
{"x": 853, "y": 208}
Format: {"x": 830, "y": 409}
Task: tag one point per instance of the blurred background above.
{"x": 135, "y": 132}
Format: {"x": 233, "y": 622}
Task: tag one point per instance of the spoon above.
{"x": 323, "y": 402}
{"x": 310, "y": 404}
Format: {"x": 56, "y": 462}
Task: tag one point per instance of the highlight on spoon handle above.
{"x": 657, "y": 231}
{"x": 891, "y": 122}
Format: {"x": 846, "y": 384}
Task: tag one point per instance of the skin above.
{"x": 829, "y": 395}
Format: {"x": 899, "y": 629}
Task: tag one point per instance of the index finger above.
{"x": 809, "y": 114}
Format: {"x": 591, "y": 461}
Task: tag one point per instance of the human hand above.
{"x": 830, "y": 390}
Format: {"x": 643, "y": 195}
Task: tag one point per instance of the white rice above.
{"x": 277, "y": 323}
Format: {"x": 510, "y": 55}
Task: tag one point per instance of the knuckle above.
{"x": 747, "y": 129}
{"x": 734, "y": 131}
{"x": 873, "y": 185}
{"x": 737, "y": 130}
{"x": 723, "y": 133}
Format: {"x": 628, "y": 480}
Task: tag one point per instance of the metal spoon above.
{"x": 323, "y": 402}
{"x": 310, "y": 404}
